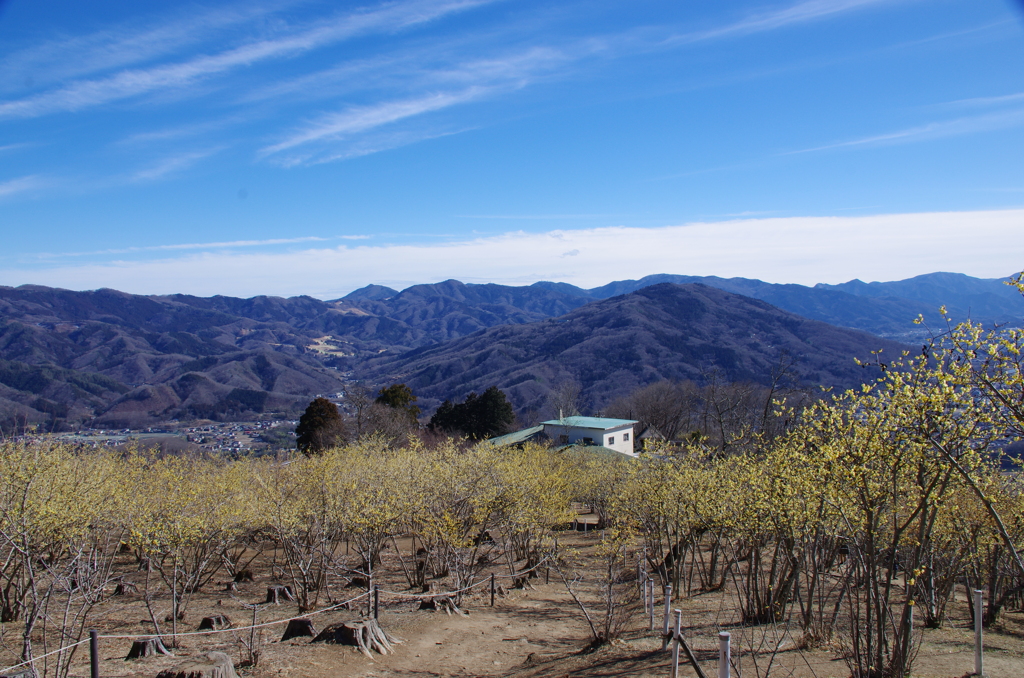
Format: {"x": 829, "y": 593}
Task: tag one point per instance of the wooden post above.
{"x": 492, "y": 589}
{"x": 376, "y": 601}
{"x": 547, "y": 575}
{"x": 668, "y": 612}
{"x": 723, "y": 655}
{"x": 979, "y": 668}
{"x": 675, "y": 644}
{"x": 94, "y": 653}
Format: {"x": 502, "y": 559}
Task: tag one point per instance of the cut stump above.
{"x": 276, "y": 593}
{"x": 438, "y": 603}
{"x": 147, "y": 647}
{"x": 366, "y": 634}
{"x": 214, "y": 623}
{"x": 243, "y": 576}
{"x": 209, "y": 665}
{"x": 27, "y": 672}
{"x": 298, "y": 628}
{"x": 124, "y": 587}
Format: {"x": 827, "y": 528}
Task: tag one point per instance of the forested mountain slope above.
{"x": 612, "y": 346}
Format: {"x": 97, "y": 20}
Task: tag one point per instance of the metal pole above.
{"x": 723, "y": 655}
{"x": 650, "y": 601}
{"x": 979, "y": 668}
{"x": 376, "y": 601}
{"x": 668, "y": 612}
{"x": 492, "y": 589}
{"x": 675, "y": 643}
{"x": 94, "y": 653}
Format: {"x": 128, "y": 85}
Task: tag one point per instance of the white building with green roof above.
{"x": 615, "y": 434}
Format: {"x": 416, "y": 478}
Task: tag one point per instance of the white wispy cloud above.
{"x": 989, "y": 101}
{"x": 474, "y": 80}
{"x": 363, "y": 118}
{"x": 24, "y": 184}
{"x": 135, "y": 82}
{"x": 120, "y": 46}
{"x": 172, "y": 164}
{"x": 485, "y": 78}
{"x": 196, "y": 246}
{"x": 803, "y": 250}
{"x": 178, "y": 132}
{"x": 945, "y": 128}
{"x": 802, "y": 12}
{"x": 15, "y": 147}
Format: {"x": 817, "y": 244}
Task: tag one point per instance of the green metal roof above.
{"x": 600, "y": 423}
{"x": 517, "y": 436}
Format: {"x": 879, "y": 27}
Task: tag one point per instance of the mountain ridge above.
{"x": 615, "y": 345}
{"x": 115, "y": 358}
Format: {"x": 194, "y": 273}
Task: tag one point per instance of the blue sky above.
{"x": 289, "y": 147}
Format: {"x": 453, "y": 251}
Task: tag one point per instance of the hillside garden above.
{"x": 851, "y": 531}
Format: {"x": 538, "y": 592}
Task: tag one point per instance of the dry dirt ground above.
{"x": 528, "y": 633}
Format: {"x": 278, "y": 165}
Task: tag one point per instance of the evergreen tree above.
{"x": 479, "y": 417}
{"x": 320, "y": 427}
{"x": 400, "y": 397}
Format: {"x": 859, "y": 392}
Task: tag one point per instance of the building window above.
{"x": 588, "y": 441}
{"x": 611, "y": 440}
{"x": 625, "y": 437}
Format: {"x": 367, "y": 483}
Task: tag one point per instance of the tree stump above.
{"x": 147, "y": 647}
{"x": 124, "y": 587}
{"x": 276, "y": 593}
{"x": 26, "y": 672}
{"x": 214, "y": 623}
{"x": 210, "y": 665}
{"x": 521, "y": 582}
{"x": 366, "y": 634}
{"x": 298, "y": 628}
{"x": 437, "y": 603}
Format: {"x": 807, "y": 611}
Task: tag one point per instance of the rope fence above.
{"x": 236, "y": 629}
{"x": 44, "y": 656}
{"x": 466, "y": 588}
{"x": 275, "y": 622}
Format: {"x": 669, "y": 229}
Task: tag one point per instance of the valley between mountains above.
{"x": 110, "y": 359}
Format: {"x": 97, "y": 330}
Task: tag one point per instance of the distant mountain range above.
{"x": 117, "y": 359}
{"x": 886, "y": 309}
{"x": 112, "y": 358}
{"x": 612, "y": 346}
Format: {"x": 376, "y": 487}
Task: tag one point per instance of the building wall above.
{"x": 618, "y": 439}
